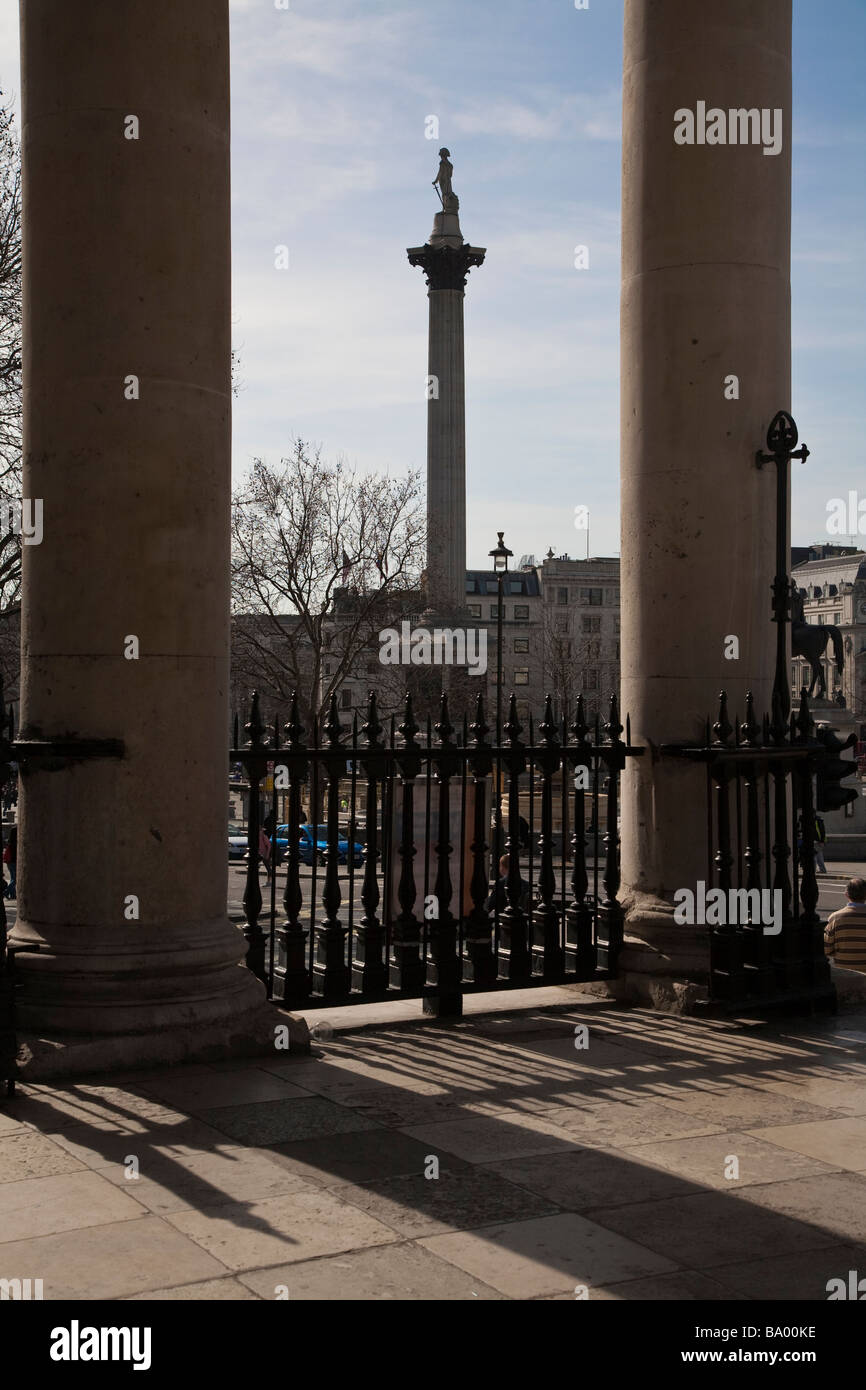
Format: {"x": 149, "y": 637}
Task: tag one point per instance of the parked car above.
{"x": 316, "y": 845}
{"x": 237, "y": 841}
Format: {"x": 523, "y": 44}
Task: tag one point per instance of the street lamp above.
{"x": 499, "y": 556}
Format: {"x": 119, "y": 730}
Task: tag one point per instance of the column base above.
{"x": 97, "y": 999}
{"x": 662, "y": 965}
{"x": 47, "y": 1058}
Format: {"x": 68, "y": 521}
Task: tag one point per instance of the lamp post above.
{"x": 499, "y": 556}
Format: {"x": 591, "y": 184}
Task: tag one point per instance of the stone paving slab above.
{"x": 372, "y": 1155}
{"x": 416, "y": 1206}
{"x": 703, "y": 1230}
{"x": 109, "y": 1261}
{"x": 294, "y": 1227}
{"x": 528, "y": 1259}
{"x": 839, "y": 1142}
{"x": 388, "y": 1273}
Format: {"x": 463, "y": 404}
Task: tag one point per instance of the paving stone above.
{"x": 51, "y": 1110}
{"x": 112, "y": 1261}
{"x": 482, "y": 1139}
{"x": 615, "y": 1124}
{"x": 833, "y": 1203}
{"x": 370, "y": 1155}
{"x": 745, "y": 1108}
{"x": 548, "y": 1255}
{"x": 420, "y": 1206}
{"x": 26, "y": 1154}
{"x": 390, "y": 1273}
{"x": 45, "y": 1206}
{"x": 283, "y": 1229}
{"x": 283, "y": 1121}
{"x": 706, "y": 1160}
{"x": 710, "y": 1228}
{"x": 801, "y": 1277}
{"x": 839, "y": 1142}
{"x": 8, "y": 1122}
{"x": 849, "y": 1096}
{"x": 683, "y": 1286}
{"x": 209, "y": 1290}
{"x": 103, "y": 1148}
{"x": 585, "y": 1178}
{"x": 196, "y": 1093}
{"x": 195, "y": 1182}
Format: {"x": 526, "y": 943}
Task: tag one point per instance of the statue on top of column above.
{"x": 450, "y": 201}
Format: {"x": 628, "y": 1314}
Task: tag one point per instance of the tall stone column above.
{"x": 446, "y": 260}
{"x": 122, "y": 862}
{"x": 705, "y": 297}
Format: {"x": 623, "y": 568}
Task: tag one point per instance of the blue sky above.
{"x": 330, "y": 158}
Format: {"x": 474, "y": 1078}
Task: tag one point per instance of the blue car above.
{"x": 315, "y": 845}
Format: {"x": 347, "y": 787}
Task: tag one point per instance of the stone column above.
{"x": 705, "y": 296}
{"x": 446, "y": 261}
{"x": 123, "y": 862}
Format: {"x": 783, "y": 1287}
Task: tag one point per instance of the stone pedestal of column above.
{"x": 705, "y": 297}
{"x": 123, "y": 862}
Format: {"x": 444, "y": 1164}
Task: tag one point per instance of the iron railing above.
{"x": 417, "y": 911}
{"x": 761, "y": 836}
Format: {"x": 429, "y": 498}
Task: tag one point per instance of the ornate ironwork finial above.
{"x": 613, "y": 728}
{"x": 512, "y": 726}
{"x": 479, "y": 727}
{"x": 294, "y": 729}
{"x": 751, "y": 728}
{"x": 408, "y": 729}
{"x": 580, "y": 728}
{"x": 333, "y": 727}
{"x": 723, "y": 728}
{"x": 372, "y": 730}
{"x": 443, "y": 726}
{"x": 255, "y": 728}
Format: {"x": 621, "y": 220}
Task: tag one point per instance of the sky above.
{"x": 332, "y": 157}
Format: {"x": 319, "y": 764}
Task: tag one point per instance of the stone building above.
{"x": 834, "y": 594}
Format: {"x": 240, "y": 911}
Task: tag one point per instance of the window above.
{"x": 515, "y": 586}
{"x": 327, "y": 668}
{"x": 562, "y": 596}
{"x": 837, "y": 618}
{"x": 472, "y": 586}
{"x": 494, "y": 610}
{"x": 593, "y": 650}
{"x": 617, "y": 650}
{"x": 521, "y": 675}
{"x": 345, "y": 699}
{"x": 474, "y": 609}
{"x": 521, "y": 644}
{"x": 590, "y": 680}
{"x": 616, "y": 623}
{"x": 521, "y": 610}
{"x": 592, "y": 596}
{"x": 562, "y": 624}
{"x": 589, "y": 623}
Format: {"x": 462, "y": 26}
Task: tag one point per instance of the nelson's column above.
{"x": 446, "y": 260}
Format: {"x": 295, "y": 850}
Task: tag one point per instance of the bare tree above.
{"x": 10, "y": 352}
{"x": 322, "y": 561}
